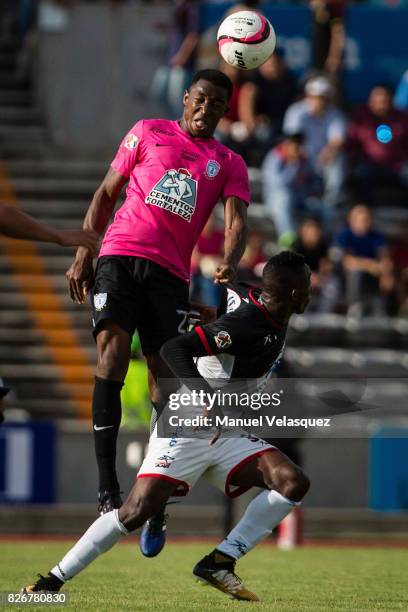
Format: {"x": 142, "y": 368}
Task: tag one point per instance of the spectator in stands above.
{"x": 313, "y": 245}
{"x": 264, "y": 100}
{"x": 324, "y": 128}
{"x": 365, "y": 262}
{"x": 254, "y": 258}
{"x": 327, "y": 35}
{"x": 401, "y": 94}
{"x": 371, "y": 160}
{"x": 205, "y": 259}
{"x": 172, "y": 78}
{"x": 399, "y": 255}
{"x": 288, "y": 181}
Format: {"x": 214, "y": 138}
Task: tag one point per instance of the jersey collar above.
{"x": 255, "y": 300}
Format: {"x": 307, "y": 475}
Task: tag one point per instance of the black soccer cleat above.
{"x": 44, "y": 584}
{"x": 109, "y": 501}
{"x": 222, "y": 576}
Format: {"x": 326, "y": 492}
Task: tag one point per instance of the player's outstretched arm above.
{"x": 80, "y": 274}
{"x": 235, "y": 220}
{"x": 14, "y": 223}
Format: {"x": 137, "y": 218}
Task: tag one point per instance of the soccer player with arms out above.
{"x": 176, "y": 172}
{"x": 245, "y": 342}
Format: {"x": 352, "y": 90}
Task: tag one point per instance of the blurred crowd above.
{"x": 326, "y": 168}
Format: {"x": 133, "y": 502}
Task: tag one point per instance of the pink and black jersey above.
{"x": 175, "y": 181}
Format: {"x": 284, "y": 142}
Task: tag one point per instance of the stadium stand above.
{"x": 45, "y": 340}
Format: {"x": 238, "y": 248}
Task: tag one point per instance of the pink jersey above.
{"x": 174, "y": 183}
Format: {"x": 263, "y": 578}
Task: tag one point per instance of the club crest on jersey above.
{"x": 233, "y": 300}
{"x": 130, "y": 141}
{"x": 213, "y": 168}
{"x": 223, "y": 339}
{"x": 164, "y": 461}
{"x": 175, "y": 192}
{"x": 100, "y": 300}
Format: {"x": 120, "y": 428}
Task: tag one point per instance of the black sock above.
{"x": 107, "y": 414}
{"x": 220, "y": 558}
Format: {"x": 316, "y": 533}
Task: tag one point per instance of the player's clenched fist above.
{"x": 80, "y": 277}
{"x": 225, "y": 273}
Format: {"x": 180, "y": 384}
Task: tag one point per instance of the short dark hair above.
{"x": 387, "y": 86}
{"x": 282, "y": 270}
{"x": 296, "y": 137}
{"x": 216, "y": 77}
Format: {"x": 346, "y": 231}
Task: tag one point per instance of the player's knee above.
{"x": 291, "y": 482}
{"x": 135, "y": 512}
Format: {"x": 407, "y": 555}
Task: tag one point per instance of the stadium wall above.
{"x": 93, "y": 70}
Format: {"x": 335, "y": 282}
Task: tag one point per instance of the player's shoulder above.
{"x": 228, "y": 153}
{"x": 245, "y": 305}
{"x": 238, "y": 294}
{"x": 235, "y": 295}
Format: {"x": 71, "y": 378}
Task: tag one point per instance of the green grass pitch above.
{"x": 312, "y": 579}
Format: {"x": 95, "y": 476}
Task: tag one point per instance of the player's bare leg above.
{"x": 153, "y": 535}
{"x": 285, "y": 485}
{"x": 145, "y": 499}
{"x": 113, "y": 348}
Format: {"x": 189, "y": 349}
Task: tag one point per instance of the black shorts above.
{"x": 140, "y": 294}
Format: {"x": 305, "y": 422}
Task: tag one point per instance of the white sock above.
{"x": 264, "y": 512}
{"x": 99, "y": 538}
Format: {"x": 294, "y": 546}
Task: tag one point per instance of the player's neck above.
{"x": 278, "y": 311}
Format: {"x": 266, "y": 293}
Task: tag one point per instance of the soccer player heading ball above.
{"x": 176, "y": 172}
{"x": 253, "y": 334}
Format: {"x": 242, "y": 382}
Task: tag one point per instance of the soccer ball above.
{"x": 246, "y": 39}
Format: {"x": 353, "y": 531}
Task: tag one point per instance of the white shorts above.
{"x": 184, "y": 460}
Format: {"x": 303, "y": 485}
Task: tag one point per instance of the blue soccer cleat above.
{"x": 153, "y": 535}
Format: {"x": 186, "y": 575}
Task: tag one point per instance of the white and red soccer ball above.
{"x": 246, "y": 39}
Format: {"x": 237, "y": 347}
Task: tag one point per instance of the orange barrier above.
{"x": 47, "y": 310}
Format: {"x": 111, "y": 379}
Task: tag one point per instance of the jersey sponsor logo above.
{"x": 159, "y": 130}
{"x": 268, "y": 339}
{"x": 233, "y": 300}
{"x": 164, "y": 461}
{"x": 188, "y": 155}
{"x": 212, "y": 169}
{"x": 100, "y": 300}
{"x": 130, "y": 141}
{"x": 175, "y": 192}
{"x": 223, "y": 339}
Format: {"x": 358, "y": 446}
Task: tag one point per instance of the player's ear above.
{"x": 186, "y": 97}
